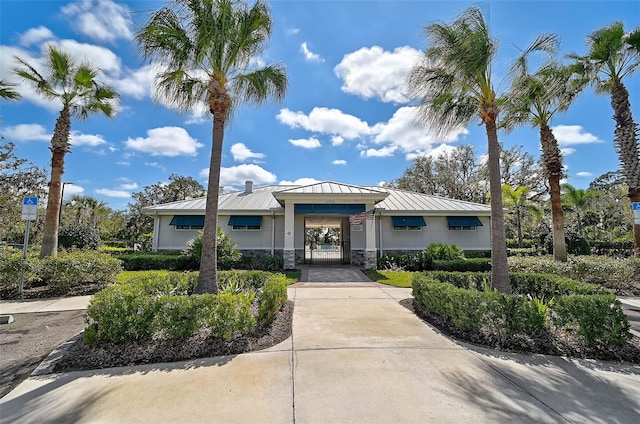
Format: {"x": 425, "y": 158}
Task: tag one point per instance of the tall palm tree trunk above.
{"x": 499, "y": 267}
{"x": 626, "y": 144}
{"x": 59, "y": 147}
{"x": 219, "y": 102}
{"x": 552, "y": 159}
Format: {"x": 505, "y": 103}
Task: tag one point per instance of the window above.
{"x": 463, "y": 223}
{"x": 408, "y": 223}
{"x": 188, "y": 222}
{"x": 245, "y": 222}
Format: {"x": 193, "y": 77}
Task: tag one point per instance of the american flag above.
{"x": 360, "y": 217}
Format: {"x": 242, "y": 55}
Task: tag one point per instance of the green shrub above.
{"x": 463, "y": 265}
{"x": 464, "y": 280}
{"x": 13, "y": 266}
{"x": 178, "y": 317}
{"x": 415, "y": 261}
{"x": 612, "y": 273}
{"x": 157, "y": 283}
{"x": 546, "y": 286}
{"x": 494, "y": 317}
{"x": 229, "y": 314}
{"x": 597, "y": 318}
{"x": 226, "y": 253}
{"x": 469, "y": 254}
{"x": 121, "y": 313}
{"x": 617, "y": 248}
{"x": 69, "y": 268}
{"x": 79, "y": 236}
{"x": 155, "y": 261}
{"x": 271, "y": 298}
{"x": 445, "y": 252}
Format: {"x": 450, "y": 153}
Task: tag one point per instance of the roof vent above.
{"x": 248, "y": 187}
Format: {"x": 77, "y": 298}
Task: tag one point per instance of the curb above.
{"x": 47, "y": 365}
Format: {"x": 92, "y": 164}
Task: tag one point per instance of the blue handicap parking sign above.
{"x": 635, "y": 206}
{"x": 30, "y": 201}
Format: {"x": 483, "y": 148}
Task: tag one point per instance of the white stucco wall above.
{"x": 169, "y": 238}
{"x": 436, "y": 231}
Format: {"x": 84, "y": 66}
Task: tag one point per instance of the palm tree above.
{"x": 75, "y": 85}
{"x": 518, "y": 202}
{"x": 7, "y": 92}
{"x": 576, "y": 200}
{"x": 454, "y": 84}
{"x": 207, "y": 48}
{"x": 535, "y": 98}
{"x": 613, "y": 55}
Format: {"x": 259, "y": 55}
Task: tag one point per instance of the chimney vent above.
{"x": 248, "y": 187}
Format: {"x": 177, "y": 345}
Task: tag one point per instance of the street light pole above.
{"x": 61, "y": 201}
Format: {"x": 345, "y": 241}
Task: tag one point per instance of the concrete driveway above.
{"x": 356, "y": 356}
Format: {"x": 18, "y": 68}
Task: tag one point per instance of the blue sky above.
{"x": 346, "y": 116}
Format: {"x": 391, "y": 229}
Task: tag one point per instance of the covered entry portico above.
{"x": 330, "y": 202}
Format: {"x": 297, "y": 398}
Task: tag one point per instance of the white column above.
{"x": 289, "y": 236}
{"x": 156, "y": 233}
{"x": 370, "y": 252}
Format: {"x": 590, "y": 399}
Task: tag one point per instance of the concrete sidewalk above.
{"x": 46, "y": 305}
{"x": 355, "y": 356}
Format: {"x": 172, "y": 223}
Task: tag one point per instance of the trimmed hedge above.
{"x": 156, "y": 261}
{"x": 468, "y": 265}
{"x": 157, "y": 306}
{"x": 66, "y": 269}
{"x": 494, "y": 316}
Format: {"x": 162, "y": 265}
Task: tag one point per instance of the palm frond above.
{"x": 7, "y": 92}
{"x": 261, "y": 84}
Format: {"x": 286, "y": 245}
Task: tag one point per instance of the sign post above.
{"x": 636, "y": 212}
{"x": 29, "y": 213}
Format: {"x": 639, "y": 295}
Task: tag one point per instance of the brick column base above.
{"x": 289, "y": 257}
{"x": 370, "y": 259}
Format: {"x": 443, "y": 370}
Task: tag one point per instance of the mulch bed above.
{"x": 85, "y": 357}
{"x": 544, "y": 343}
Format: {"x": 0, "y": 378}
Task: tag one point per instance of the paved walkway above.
{"x": 356, "y": 356}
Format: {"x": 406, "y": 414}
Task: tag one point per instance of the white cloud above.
{"x": 36, "y": 36}
{"x": 102, "y": 20}
{"x": 128, "y": 186}
{"x": 306, "y": 143}
{"x": 309, "y": 55}
{"x": 327, "y": 121}
{"x": 300, "y": 181}
{"x": 404, "y": 133}
{"x": 379, "y": 153}
{"x": 137, "y": 83}
{"x": 78, "y": 139}
{"x": 336, "y": 140}
{"x": 443, "y": 149}
{"x": 123, "y": 163}
{"x": 293, "y": 31}
{"x": 100, "y": 57}
{"x": 27, "y": 132}
{"x": 72, "y": 189}
{"x": 237, "y": 175}
{"x": 339, "y": 162}
{"x": 567, "y": 151}
{"x": 568, "y": 135}
{"x": 584, "y": 174}
{"x": 241, "y": 153}
{"x": 374, "y": 72}
{"x": 165, "y": 141}
{"x": 155, "y": 165}
{"x": 113, "y": 193}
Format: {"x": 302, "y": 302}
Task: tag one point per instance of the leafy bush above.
{"x": 576, "y": 244}
{"x": 121, "y": 313}
{"x": 417, "y": 261}
{"x": 462, "y": 265}
{"x": 227, "y": 255}
{"x": 469, "y": 254}
{"x": 154, "y": 305}
{"x": 13, "y": 266}
{"x": 526, "y": 244}
{"x": 79, "y": 236}
{"x": 495, "y": 317}
{"x": 69, "y": 268}
{"x": 271, "y": 298}
{"x": 445, "y": 252}
{"x": 464, "y": 280}
{"x": 547, "y": 286}
{"x": 597, "y": 318}
{"x": 155, "y": 261}
{"x": 229, "y": 314}
{"x": 620, "y": 275}
{"x": 618, "y": 249}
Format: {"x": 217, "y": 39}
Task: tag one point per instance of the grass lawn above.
{"x": 391, "y": 278}
{"x": 126, "y": 276}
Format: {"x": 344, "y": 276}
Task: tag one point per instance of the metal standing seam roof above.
{"x": 263, "y": 199}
